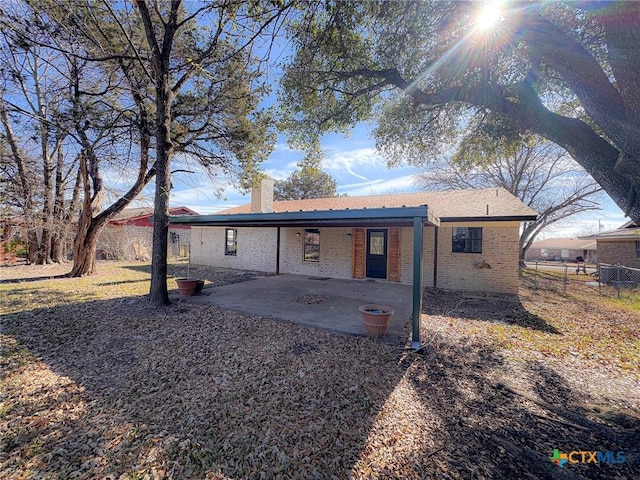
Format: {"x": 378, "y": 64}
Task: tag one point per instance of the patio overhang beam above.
{"x": 402, "y": 216}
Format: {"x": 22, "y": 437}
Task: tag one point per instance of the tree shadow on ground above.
{"x": 17, "y": 297}
{"x": 186, "y": 391}
{"x": 190, "y": 390}
{"x": 497, "y": 309}
{"x": 121, "y": 282}
{"x": 213, "y": 276}
{"x": 33, "y": 279}
{"x": 493, "y": 429}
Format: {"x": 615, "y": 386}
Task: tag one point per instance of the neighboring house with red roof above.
{"x": 620, "y": 246}
{"x": 563, "y": 249}
{"x": 129, "y": 235}
{"x": 458, "y": 240}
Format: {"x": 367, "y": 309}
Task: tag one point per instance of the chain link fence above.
{"x": 608, "y": 280}
{"x": 619, "y": 277}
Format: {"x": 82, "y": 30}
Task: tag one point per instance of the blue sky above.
{"x": 359, "y": 170}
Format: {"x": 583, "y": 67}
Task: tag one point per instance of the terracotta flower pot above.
{"x": 376, "y": 318}
{"x": 187, "y": 286}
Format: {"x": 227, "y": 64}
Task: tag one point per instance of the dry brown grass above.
{"x": 96, "y": 383}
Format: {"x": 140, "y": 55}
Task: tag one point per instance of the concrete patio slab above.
{"x": 284, "y": 297}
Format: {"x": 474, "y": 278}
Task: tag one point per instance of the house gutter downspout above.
{"x": 418, "y": 227}
{"x": 436, "y": 229}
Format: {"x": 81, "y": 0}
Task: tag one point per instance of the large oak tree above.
{"x": 428, "y": 71}
{"x": 538, "y": 172}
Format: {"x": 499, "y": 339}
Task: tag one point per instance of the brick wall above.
{"x": 618, "y": 251}
{"x": 456, "y": 271}
{"x": 256, "y": 248}
{"x": 335, "y": 253}
{"x": 459, "y": 271}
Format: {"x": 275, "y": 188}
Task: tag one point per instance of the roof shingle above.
{"x": 447, "y": 204}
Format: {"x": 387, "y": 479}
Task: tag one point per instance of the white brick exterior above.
{"x": 459, "y": 271}
{"x": 456, "y": 271}
{"x": 335, "y": 253}
{"x": 256, "y": 248}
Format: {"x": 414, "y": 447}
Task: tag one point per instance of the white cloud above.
{"x": 281, "y": 172}
{"x": 380, "y": 186}
{"x": 284, "y": 147}
{"x": 351, "y": 161}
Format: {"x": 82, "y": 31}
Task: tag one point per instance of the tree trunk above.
{"x": 44, "y": 252}
{"x": 61, "y": 229}
{"x": 161, "y": 61}
{"x": 84, "y": 259}
{"x": 158, "y": 294}
{"x": 32, "y": 246}
{"x": 89, "y": 228}
{"x": 84, "y": 253}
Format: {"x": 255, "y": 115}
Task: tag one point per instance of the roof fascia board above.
{"x": 506, "y": 218}
{"x": 316, "y": 217}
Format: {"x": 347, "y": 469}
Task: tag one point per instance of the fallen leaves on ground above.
{"x": 108, "y": 386}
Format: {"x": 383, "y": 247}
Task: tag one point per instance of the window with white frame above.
{"x": 231, "y": 241}
{"x": 311, "y": 245}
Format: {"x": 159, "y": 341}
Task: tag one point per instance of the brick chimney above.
{"x": 262, "y": 196}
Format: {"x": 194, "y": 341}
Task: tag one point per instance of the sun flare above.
{"x": 488, "y": 16}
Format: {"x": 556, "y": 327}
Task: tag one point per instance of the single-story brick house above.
{"x": 562, "y": 249}
{"x": 458, "y": 239}
{"x": 620, "y": 246}
{"x": 470, "y": 240}
{"x": 129, "y": 235}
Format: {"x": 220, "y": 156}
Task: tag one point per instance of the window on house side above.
{"x": 231, "y": 241}
{"x": 544, "y": 252}
{"x": 467, "y": 240}
{"x": 311, "y": 245}
{"x": 637, "y": 248}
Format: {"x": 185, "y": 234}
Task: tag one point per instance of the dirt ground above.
{"x": 96, "y": 383}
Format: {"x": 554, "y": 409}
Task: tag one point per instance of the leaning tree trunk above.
{"x": 86, "y": 240}
{"x": 89, "y": 227}
{"x": 84, "y": 252}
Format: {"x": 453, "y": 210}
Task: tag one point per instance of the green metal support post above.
{"x": 418, "y": 228}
